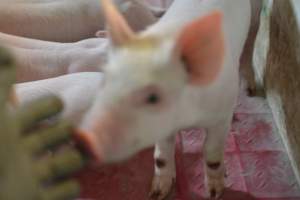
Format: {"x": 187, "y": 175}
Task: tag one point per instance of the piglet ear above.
{"x": 118, "y": 29}
{"x": 201, "y": 46}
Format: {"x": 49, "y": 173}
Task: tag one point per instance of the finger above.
{"x": 58, "y": 166}
{"x": 64, "y": 191}
{"x": 38, "y": 110}
{"x": 48, "y": 138}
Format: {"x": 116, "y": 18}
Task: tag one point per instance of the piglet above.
{"x": 181, "y": 72}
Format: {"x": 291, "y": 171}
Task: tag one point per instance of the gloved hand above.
{"x": 27, "y": 171}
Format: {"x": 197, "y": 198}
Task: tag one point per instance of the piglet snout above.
{"x": 99, "y": 137}
{"x": 86, "y": 144}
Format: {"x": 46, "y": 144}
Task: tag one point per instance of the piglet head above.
{"x": 143, "y": 98}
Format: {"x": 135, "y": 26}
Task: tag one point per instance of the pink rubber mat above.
{"x": 257, "y": 165}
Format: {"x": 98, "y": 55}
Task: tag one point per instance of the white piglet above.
{"x": 181, "y": 72}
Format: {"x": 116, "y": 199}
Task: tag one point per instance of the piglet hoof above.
{"x": 161, "y": 187}
{"x": 256, "y": 92}
{"x": 215, "y": 188}
{"x": 101, "y": 34}
{"x": 158, "y": 12}
{"x": 251, "y": 91}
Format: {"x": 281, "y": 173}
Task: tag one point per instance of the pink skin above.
{"x": 95, "y": 145}
{"x": 101, "y": 143}
{"x": 77, "y": 91}
{"x": 114, "y": 124}
{"x": 37, "y": 59}
{"x": 65, "y": 21}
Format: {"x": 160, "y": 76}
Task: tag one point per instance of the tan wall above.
{"x": 283, "y": 69}
{"x": 279, "y": 71}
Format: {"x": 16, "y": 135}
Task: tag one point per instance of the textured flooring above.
{"x": 257, "y": 164}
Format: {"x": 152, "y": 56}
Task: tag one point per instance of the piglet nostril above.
{"x": 86, "y": 145}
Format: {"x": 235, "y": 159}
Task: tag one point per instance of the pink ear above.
{"x": 201, "y": 46}
{"x": 118, "y": 28}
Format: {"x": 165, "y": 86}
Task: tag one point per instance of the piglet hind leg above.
{"x": 214, "y": 159}
{"x": 165, "y": 173}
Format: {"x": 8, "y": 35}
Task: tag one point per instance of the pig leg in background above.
{"x": 77, "y": 92}
{"x": 157, "y": 11}
{"x": 29, "y": 43}
{"x": 247, "y": 69}
{"x": 36, "y": 59}
{"x": 213, "y": 151}
{"x": 43, "y": 64}
{"x": 101, "y": 34}
{"x": 138, "y": 14}
{"x": 66, "y": 21}
{"x": 160, "y": 10}
{"x": 23, "y": 42}
{"x": 60, "y": 21}
{"x": 164, "y": 165}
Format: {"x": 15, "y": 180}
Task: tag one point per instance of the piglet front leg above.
{"x": 165, "y": 173}
{"x": 214, "y": 159}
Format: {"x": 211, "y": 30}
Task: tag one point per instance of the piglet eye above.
{"x": 149, "y": 96}
{"x": 153, "y": 98}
